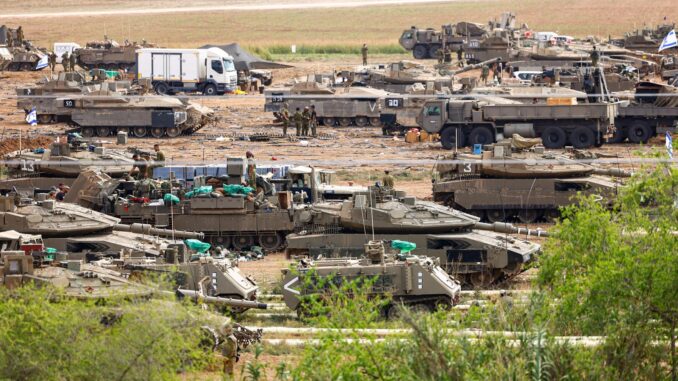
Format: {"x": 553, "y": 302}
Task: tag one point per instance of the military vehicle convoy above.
{"x": 478, "y": 258}
{"x": 500, "y": 185}
{"x": 462, "y": 123}
{"x": 417, "y": 282}
{"x": 109, "y": 54}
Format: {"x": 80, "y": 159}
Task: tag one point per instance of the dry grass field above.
{"x": 341, "y": 27}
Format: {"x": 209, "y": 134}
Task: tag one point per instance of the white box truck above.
{"x": 209, "y": 71}
{"x": 61, "y": 47}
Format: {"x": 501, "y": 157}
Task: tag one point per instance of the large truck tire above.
{"x": 553, "y": 137}
{"x": 639, "y": 133}
{"x": 420, "y": 52}
{"x": 582, "y": 137}
{"x": 481, "y": 135}
{"x": 451, "y": 137}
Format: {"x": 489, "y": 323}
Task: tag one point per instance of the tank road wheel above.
{"x": 361, "y": 121}
{"x": 210, "y": 90}
{"x": 582, "y": 137}
{"x": 375, "y": 122}
{"x": 161, "y": 88}
{"x": 420, "y": 52}
{"x": 329, "y": 121}
{"x": 639, "y": 133}
{"x": 270, "y": 241}
{"x": 242, "y": 242}
{"x": 481, "y": 279}
{"x": 497, "y": 215}
{"x": 157, "y": 132}
{"x": 26, "y": 66}
{"x": 344, "y": 122}
{"x": 139, "y": 132}
{"x": 222, "y": 240}
{"x": 103, "y": 131}
{"x": 452, "y": 136}
{"x": 481, "y": 135}
{"x": 553, "y": 137}
{"x": 45, "y": 118}
{"x": 87, "y": 132}
{"x": 528, "y": 216}
{"x": 173, "y": 132}
{"x": 551, "y": 215}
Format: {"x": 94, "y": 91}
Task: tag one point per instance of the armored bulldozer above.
{"x": 339, "y": 105}
{"x": 109, "y": 54}
{"x": 103, "y": 111}
{"x": 472, "y": 256}
{"x": 500, "y": 185}
{"x": 415, "y": 281}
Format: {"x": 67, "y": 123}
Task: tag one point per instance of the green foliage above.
{"x": 47, "y": 336}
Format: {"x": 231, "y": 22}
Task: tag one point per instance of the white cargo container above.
{"x": 61, "y": 47}
{"x": 209, "y": 71}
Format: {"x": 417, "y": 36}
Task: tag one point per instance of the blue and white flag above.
{"x": 44, "y": 61}
{"x": 669, "y": 41}
{"x": 32, "y": 117}
{"x": 669, "y": 145}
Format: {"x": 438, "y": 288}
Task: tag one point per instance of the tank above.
{"x": 19, "y": 54}
{"x": 109, "y": 54}
{"x": 418, "y": 282}
{"x": 473, "y": 253}
{"x": 532, "y": 187}
{"x": 105, "y": 111}
{"x": 646, "y": 39}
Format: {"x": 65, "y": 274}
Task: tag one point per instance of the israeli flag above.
{"x": 669, "y": 145}
{"x": 44, "y": 61}
{"x": 669, "y": 41}
{"x": 32, "y": 117}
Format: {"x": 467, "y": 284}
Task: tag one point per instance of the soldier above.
{"x": 460, "y": 55}
{"x": 297, "y": 121}
{"x": 64, "y": 61}
{"x": 285, "y": 116}
{"x": 314, "y": 121}
{"x": 440, "y": 55}
{"x": 363, "y": 50}
{"x": 52, "y": 61}
{"x": 251, "y": 170}
{"x": 595, "y": 56}
{"x": 447, "y": 55}
{"x": 388, "y": 181}
{"x": 485, "y": 72}
{"x": 140, "y": 168}
{"x": 305, "y": 119}
{"x": 229, "y": 348}
{"x": 20, "y": 35}
{"x": 71, "y": 61}
{"x": 159, "y": 156}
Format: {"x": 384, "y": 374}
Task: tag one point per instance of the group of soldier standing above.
{"x": 68, "y": 61}
{"x": 302, "y": 120}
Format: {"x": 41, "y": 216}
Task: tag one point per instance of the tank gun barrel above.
{"x": 222, "y": 301}
{"x": 150, "y": 230}
{"x": 476, "y": 66}
{"x": 503, "y": 227}
{"x": 616, "y": 172}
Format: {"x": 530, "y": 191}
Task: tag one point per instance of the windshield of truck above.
{"x": 228, "y": 65}
{"x": 216, "y": 66}
{"x": 407, "y": 35}
{"x": 433, "y": 111}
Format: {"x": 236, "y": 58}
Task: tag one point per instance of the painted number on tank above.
{"x": 27, "y": 166}
{"x": 394, "y": 102}
{"x": 467, "y": 167}
{"x": 420, "y": 281}
{"x": 277, "y": 98}
{"x": 69, "y": 103}
{"x": 473, "y": 44}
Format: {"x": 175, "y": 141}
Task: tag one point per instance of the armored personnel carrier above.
{"x": 109, "y": 54}
{"x": 479, "y": 258}
{"x": 19, "y": 54}
{"x": 646, "y": 39}
{"x": 418, "y": 282}
{"x": 102, "y": 112}
{"x": 500, "y": 185}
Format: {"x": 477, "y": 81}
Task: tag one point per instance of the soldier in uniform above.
{"x": 460, "y": 55}
{"x": 20, "y": 35}
{"x": 64, "y": 61}
{"x": 305, "y": 119}
{"x": 285, "y": 116}
{"x": 440, "y": 55}
{"x": 314, "y": 122}
{"x": 595, "y": 56}
{"x": 297, "y": 121}
{"x": 447, "y": 55}
{"x": 388, "y": 181}
{"x": 229, "y": 349}
{"x": 52, "y": 61}
{"x": 484, "y": 73}
{"x": 251, "y": 170}
{"x": 363, "y": 50}
{"x": 71, "y": 61}
{"x": 140, "y": 168}
{"x": 159, "y": 156}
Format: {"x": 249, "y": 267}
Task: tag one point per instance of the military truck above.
{"x": 109, "y": 55}
{"x": 653, "y": 110}
{"x": 472, "y": 256}
{"x": 417, "y": 282}
{"x": 469, "y": 122}
{"x": 500, "y": 185}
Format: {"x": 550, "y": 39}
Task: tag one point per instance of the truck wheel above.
{"x": 433, "y": 51}
{"x": 361, "y": 121}
{"x": 553, "y": 137}
{"x": 420, "y": 52}
{"x": 582, "y": 137}
{"x": 329, "y": 122}
{"x": 481, "y": 135}
{"x": 451, "y": 137}
{"x": 161, "y": 88}
{"x": 618, "y": 137}
{"x": 639, "y": 133}
{"x": 210, "y": 90}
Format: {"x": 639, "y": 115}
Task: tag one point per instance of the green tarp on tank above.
{"x": 404, "y": 246}
{"x": 197, "y": 245}
{"x": 170, "y": 197}
{"x": 234, "y": 189}
{"x": 200, "y": 190}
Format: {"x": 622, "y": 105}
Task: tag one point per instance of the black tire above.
{"x": 481, "y": 135}
{"x": 450, "y": 136}
{"x": 161, "y": 88}
{"x": 582, "y": 137}
{"x": 433, "y": 51}
{"x": 210, "y": 90}
{"x": 618, "y": 137}
{"x": 553, "y": 137}
{"x": 420, "y": 52}
{"x": 639, "y": 133}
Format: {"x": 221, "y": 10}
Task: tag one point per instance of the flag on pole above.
{"x": 669, "y": 41}
{"x": 669, "y": 145}
{"x": 32, "y": 117}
